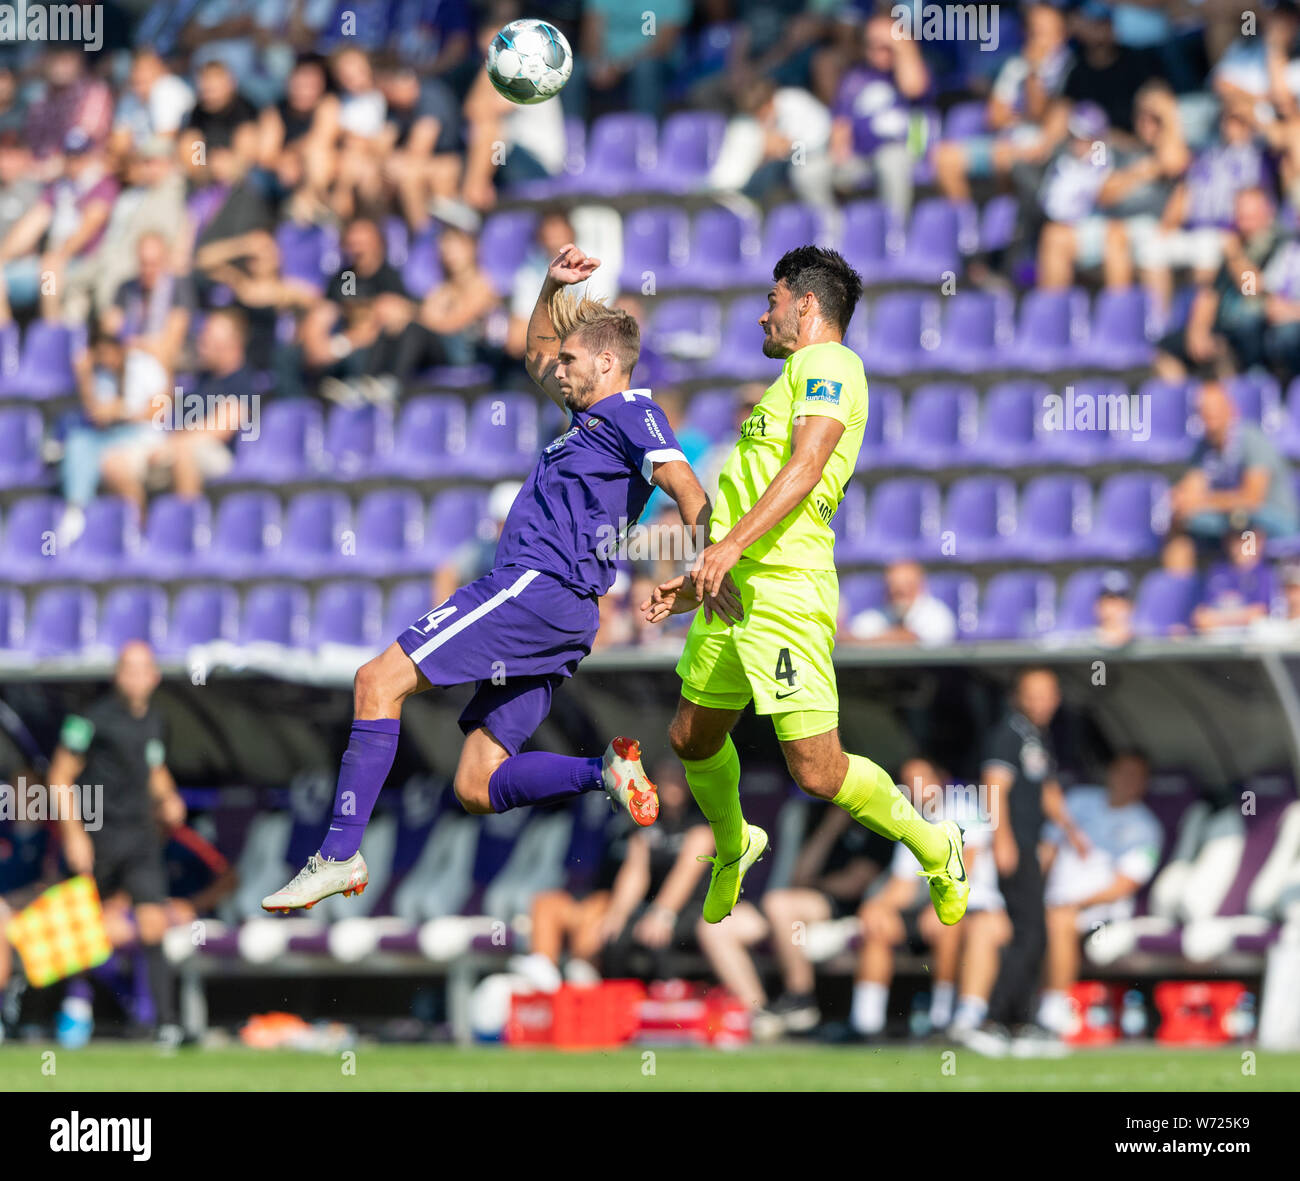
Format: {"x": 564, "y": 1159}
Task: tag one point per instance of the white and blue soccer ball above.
{"x": 529, "y": 61}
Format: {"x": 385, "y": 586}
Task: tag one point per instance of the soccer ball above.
{"x": 529, "y": 61}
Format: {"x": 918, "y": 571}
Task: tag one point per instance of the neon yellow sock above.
{"x": 871, "y": 798}
{"x": 715, "y": 784}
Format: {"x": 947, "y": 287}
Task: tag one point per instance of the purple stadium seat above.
{"x": 1164, "y": 604}
{"x": 784, "y": 228}
{"x": 132, "y": 613}
{"x": 503, "y": 243}
{"x": 621, "y": 152}
{"x": 389, "y": 533}
{"x": 1076, "y": 612}
{"x": 966, "y": 120}
{"x": 979, "y": 514}
{"x": 422, "y": 270}
{"x": 407, "y": 602}
{"x": 21, "y": 430}
{"x": 1074, "y": 428}
{"x": 998, "y": 221}
{"x": 1118, "y": 336}
{"x": 275, "y": 613}
{"x": 849, "y": 524}
{"x": 1054, "y": 512}
{"x": 62, "y": 622}
{"x": 1049, "y": 325}
{"x": 312, "y": 536}
{"x": 940, "y": 425}
{"x": 431, "y": 429}
{"x": 245, "y": 533}
{"x": 455, "y": 517}
{"x": 346, "y": 613}
{"x": 861, "y": 592}
{"x": 722, "y": 243}
{"x": 1288, "y": 436}
{"x": 688, "y": 328}
{"x": 866, "y": 239}
{"x": 307, "y": 252}
{"x": 202, "y": 614}
{"x": 1258, "y": 399}
{"x": 288, "y": 444}
{"x": 12, "y": 619}
{"x": 1007, "y": 434}
{"x": 355, "y": 438}
{"x": 1017, "y": 605}
{"x": 45, "y": 365}
{"x": 501, "y": 439}
{"x": 932, "y": 242}
{"x": 27, "y": 553}
{"x": 903, "y": 521}
{"x": 1130, "y": 517}
{"x": 11, "y": 349}
{"x": 884, "y": 425}
{"x": 898, "y": 320}
{"x": 961, "y": 593}
{"x": 1165, "y": 412}
{"x": 713, "y": 414}
{"x": 971, "y": 333}
{"x": 741, "y": 355}
{"x": 111, "y": 534}
{"x": 176, "y": 532}
{"x": 654, "y": 247}
{"x": 688, "y": 148}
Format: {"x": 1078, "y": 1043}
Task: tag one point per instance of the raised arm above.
{"x": 542, "y": 346}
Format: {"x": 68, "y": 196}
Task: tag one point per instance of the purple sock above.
{"x": 365, "y": 766}
{"x": 536, "y": 777}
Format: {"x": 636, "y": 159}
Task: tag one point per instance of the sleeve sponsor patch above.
{"x": 77, "y": 733}
{"x": 820, "y": 389}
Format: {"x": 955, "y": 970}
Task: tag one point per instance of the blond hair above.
{"x": 602, "y": 328}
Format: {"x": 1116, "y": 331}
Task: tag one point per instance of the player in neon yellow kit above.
{"x": 770, "y": 531}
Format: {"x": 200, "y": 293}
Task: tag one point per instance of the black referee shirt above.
{"x": 1027, "y": 752}
{"x": 120, "y": 750}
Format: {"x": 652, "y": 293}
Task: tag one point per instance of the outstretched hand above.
{"x": 571, "y": 265}
{"x": 678, "y": 595}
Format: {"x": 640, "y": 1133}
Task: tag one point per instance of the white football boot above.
{"x": 318, "y": 879}
{"x": 626, "y": 782}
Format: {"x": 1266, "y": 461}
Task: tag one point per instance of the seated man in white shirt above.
{"x": 911, "y": 614}
{"x": 1084, "y": 892}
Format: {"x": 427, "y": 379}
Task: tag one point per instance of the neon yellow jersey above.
{"x": 820, "y": 379}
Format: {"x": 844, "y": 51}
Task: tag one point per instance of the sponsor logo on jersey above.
{"x": 819, "y": 389}
{"x": 564, "y": 438}
{"x": 653, "y": 427}
{"x": 592, "y": 423}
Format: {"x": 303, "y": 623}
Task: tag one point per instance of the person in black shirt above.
{"x": 222, "y": 115}
{"x": 1105, "y": 72}
{"x": 1018, "y": 770}
{"x": 117, "y": 749}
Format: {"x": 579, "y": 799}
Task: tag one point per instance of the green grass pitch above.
{"x": 105, "y": 1067}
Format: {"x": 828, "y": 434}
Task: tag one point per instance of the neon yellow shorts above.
{"x": 779, "y": 656}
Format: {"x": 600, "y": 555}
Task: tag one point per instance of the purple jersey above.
{"x": 588, "y": 487}
{"x": 872, "y": 102}
{"x": 1239, "y": 586}
{"x": 1215, "y": 178}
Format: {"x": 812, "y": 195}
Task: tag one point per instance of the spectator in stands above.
{"x": 152, "y": 310}
{"x": 837, "y": 862}
{"x": 1018, "y": 109}
{"x": 1237, "y": 480}
{"x": 898, "y": 914}
{"x": 873, "y": 115}
{"x": 655, "y": 899}
{"x": 456, "y": 311}
{"x": 72, "y": 100}
{"x": 120, "y": 742}
{"x": 779, "y": 137}
{"x": 363, "y": 111}
{"x": 507, "y": 144}
{"x": 1019, "y": 775}
{"x": 1255, "y": 69}
{"x": 13, "y": 115}
{"x": 186, "y": 457}
{"x": 1100, "y": 885}
{"x": 297, "y": 138}
{"x": 20, "y": 192}
{"x": 911, "y": 614}
{"x": 1200, "y": 210}
{"x": 1283, "y": 626}
{"x": 1114, "y": 610}
{"x": 1105, "y": 72}
{"x": 155, "y": 105}
{"x": 1228, "y": 327}
{"x": 1133, "y": 190}
{"x": 627, "y": 65}
{"x": 229, "y": 215}
{"x": 421, "y": 153}
{"x": 222, "y": 117}
{"x": 1238, "y": 592}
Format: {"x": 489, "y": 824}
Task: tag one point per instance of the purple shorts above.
{"x": 515, "y": 632}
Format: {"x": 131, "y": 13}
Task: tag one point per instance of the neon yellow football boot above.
{"x": 949, "y": 887}
{"x": 724, "y": 884}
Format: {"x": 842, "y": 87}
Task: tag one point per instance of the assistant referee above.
{"x": 117, "y": 748}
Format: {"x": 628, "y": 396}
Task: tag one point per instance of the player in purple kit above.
{"x": 523, "y": 627}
